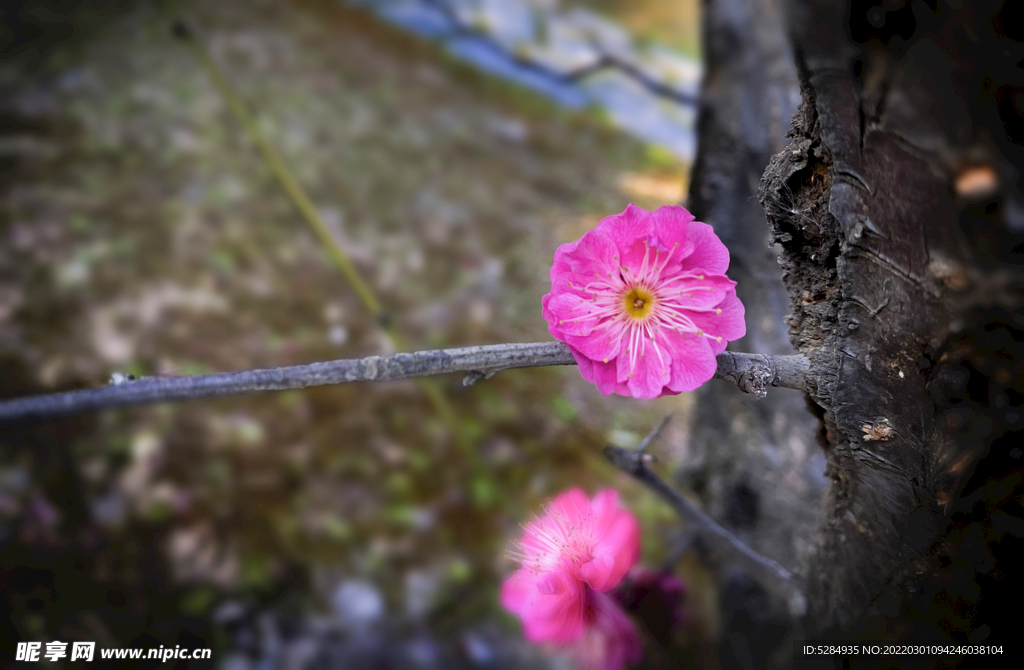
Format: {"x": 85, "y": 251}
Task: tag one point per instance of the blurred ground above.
{"x": 141, "y": 232}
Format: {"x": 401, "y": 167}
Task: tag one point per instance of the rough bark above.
{"x": 755, "y": 463}
{"x": 898, "y": 205}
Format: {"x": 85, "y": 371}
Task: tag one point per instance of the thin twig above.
{"x": 479, "y": 361}
{"x": 641, "y": 449}
{"x": 719, "y": 542}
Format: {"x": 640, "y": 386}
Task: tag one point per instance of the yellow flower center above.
{"x": 638, "y": 303}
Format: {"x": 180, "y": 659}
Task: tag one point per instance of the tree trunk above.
{"x": 899, "y": 209}
{"x": 754, "y": 462}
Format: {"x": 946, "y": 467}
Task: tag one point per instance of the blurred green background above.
{"x": 141, "y": 232}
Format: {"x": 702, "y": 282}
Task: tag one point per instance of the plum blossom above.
{"x": 577, "y": 550}
{"x": 643, "y": 302}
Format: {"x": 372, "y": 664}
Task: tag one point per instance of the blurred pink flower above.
{"x": 576, "y": 544}
{"x": 610, "y": 639}
{"x": 643, "y": 302}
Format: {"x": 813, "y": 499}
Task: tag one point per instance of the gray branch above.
{"x": 718, "y": 544}
{"x": 754, "y": 373}
{"x": 479, "y": 362}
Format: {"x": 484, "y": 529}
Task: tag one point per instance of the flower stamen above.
{"x": 638, "y": 302}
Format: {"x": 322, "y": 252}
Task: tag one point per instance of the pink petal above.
{"x": 632, "y": 259}
{"x": 622, "y": 536}
{"x": 594, "y": 253}
{"x": 570, "y": 315}
{"x": 573, "y": 506}
{"x": 729, "y": 325}
{"x": 671, "y": 227}
{"x": 600, "y": 373}
{"x": 576, "y": 263}
{"x": 693, "y": 361}
{"x": 651, "y": 372}
{"x": 516, "y": 591}
{"x": 717, "y": 346}
{"x": 556, "y": 616}
{"x": 564, "y": 280}
{"x": 616, "y": 550}
{"x": 709, "y": 254}
{"x": 597, "y": 572}
{"x": 602, "y": 343}
{"x": 634, "y": 224}
{"x": 611, "y": 640}
{"x": 696, "y": 292}
{"x": 605, "y": 504}
{"x": 631, "y": 232}
{"x": 551, "y": 584}
{"x": 545, "y": 300}
{"x": 621, "y": 640}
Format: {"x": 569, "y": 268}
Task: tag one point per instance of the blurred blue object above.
{"x": 541, "y": 48}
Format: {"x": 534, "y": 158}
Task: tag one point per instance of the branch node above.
{"x": 118, "y": 378}
{"x": 472, "y": 377}
{"x": 756, "y": 378}
{"x": 628, "y": 460}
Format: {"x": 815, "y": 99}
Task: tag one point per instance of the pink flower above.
{"x": 643, "y": 302}
{"x": 610, "y": 640}
{"x": 576, "y": 544}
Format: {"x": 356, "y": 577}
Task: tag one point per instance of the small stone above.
{"x": 357, "y": 604}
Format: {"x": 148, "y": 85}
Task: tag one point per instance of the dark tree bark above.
{"x": 755, "y": 463}
{"x": 900, "y": 212}
{"x": 898, "y": 209}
